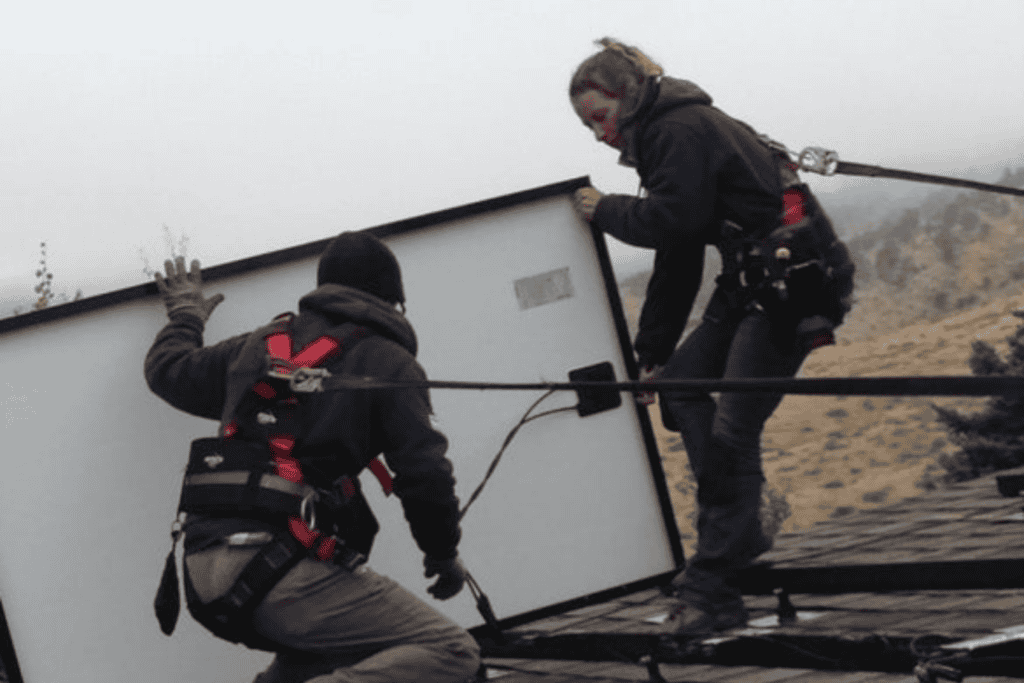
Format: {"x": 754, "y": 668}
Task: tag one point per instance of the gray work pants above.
{"x": 359, "y": 627}
{"x": 723, "y": 441}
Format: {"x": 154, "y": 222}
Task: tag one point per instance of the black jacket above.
{"x": 354, "y": 427}
{"x": 699, "y": 167}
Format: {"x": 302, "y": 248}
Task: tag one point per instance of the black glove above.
{"x": 183, "y": 291}
{"x": 648, "y": 372}
{"x": 451, "y": 575}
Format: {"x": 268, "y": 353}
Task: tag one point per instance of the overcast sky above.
{"x": 256, "y": 126}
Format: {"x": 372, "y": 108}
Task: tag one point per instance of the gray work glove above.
{"x": 584, "y": 201}
{"x": 451, "y": 575}
{"x": 183, "y": 291}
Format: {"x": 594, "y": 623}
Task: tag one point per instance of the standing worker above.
{"x": 786, "y": 284}
{"x": 277, "y": 528}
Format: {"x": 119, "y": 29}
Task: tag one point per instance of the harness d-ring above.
{"x": 307, "y": 511}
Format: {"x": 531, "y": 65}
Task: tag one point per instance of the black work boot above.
{"x": 729, "y": 539}
{"x": 695, "y": 620}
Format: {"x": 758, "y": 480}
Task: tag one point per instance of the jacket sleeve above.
{"x": 424, "y": 479}
{"x": 670, "y": 293}
{"x": 677, "y": 172}
{"x": 184, "y": 373}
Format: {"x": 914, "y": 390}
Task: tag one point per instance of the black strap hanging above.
{"x": 168, "y": 598}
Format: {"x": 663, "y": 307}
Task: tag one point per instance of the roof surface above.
{"x": 858, "y": 631}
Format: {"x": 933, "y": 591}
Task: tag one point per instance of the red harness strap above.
{"x": 279, "y": 346}
{"x": 793, "y": 210}
{"x": 383, "y": 476}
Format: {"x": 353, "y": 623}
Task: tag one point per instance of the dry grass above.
{"x": 831, "y": 455}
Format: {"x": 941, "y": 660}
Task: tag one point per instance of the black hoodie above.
{"x": 699, "y": 167}
{"x": 353, "y": 426}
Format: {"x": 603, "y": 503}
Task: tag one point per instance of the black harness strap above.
{"x": 230, "y": 616}
{"x": 231, "y": 477}
{"x": 797, "y": 269}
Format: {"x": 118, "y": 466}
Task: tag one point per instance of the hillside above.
{"x": 954, "y": 252}
{"x": 831, "y": 455}
{"x": 929, "y": 282}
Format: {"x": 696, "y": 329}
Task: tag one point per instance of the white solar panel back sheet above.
{"x": 93, "y": 460}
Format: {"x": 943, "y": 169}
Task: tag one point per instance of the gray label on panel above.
{"x": 544, "y": 288}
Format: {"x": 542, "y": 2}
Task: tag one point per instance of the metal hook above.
{"x": 177, "y": 527}
{"x": 307, "y": 511}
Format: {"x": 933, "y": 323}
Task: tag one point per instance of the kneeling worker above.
{"x": 277, "y": 529}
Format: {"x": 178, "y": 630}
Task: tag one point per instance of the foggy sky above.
{"x": 256, "y": 126}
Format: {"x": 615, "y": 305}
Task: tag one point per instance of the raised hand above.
{"x": 183, "y": 291}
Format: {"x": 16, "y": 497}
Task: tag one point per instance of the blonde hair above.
{"x": 617, "y": 71}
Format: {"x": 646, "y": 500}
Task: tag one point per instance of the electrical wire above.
{"x": 840, "y": 664}
{"x": 508, "y": 439}
{"x": 483, "y": 604}
{"x": 550, "y": 412}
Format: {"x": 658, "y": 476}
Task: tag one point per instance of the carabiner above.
{"x": 307, "y": 510}
{"x": 308, "y": 380}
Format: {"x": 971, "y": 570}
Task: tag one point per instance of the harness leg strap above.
{"x": 230, "y": 616}
{"x": 269, "y": 566}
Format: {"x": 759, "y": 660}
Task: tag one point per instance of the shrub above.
{"x": 992, "y": 439}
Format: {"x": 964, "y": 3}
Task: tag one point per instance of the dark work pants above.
{"x": 723, "y": 441}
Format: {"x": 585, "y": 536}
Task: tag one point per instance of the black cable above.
{"x": 508, "y": 439}
{"x": 549, "y": 412}
{"x": 959, "y": 385}
{"x": 483, "y": 604}
{"x": 930, "y": 641}
{"x": 799, "y": 650}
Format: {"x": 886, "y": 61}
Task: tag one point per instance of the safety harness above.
{"x": 254, "y": 470}
{"x": 796, "y": 271}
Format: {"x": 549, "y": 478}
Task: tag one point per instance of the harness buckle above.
{"x": 250, "y": 538}
{"x": 280, "y": 368}
{"x": 347, "y": 557}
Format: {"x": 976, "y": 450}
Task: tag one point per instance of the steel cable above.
{"x": 964, "y": 385}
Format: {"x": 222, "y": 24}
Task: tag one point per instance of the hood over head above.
{"x": 342, "y": 303}
{"x": 657, "y": 95}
